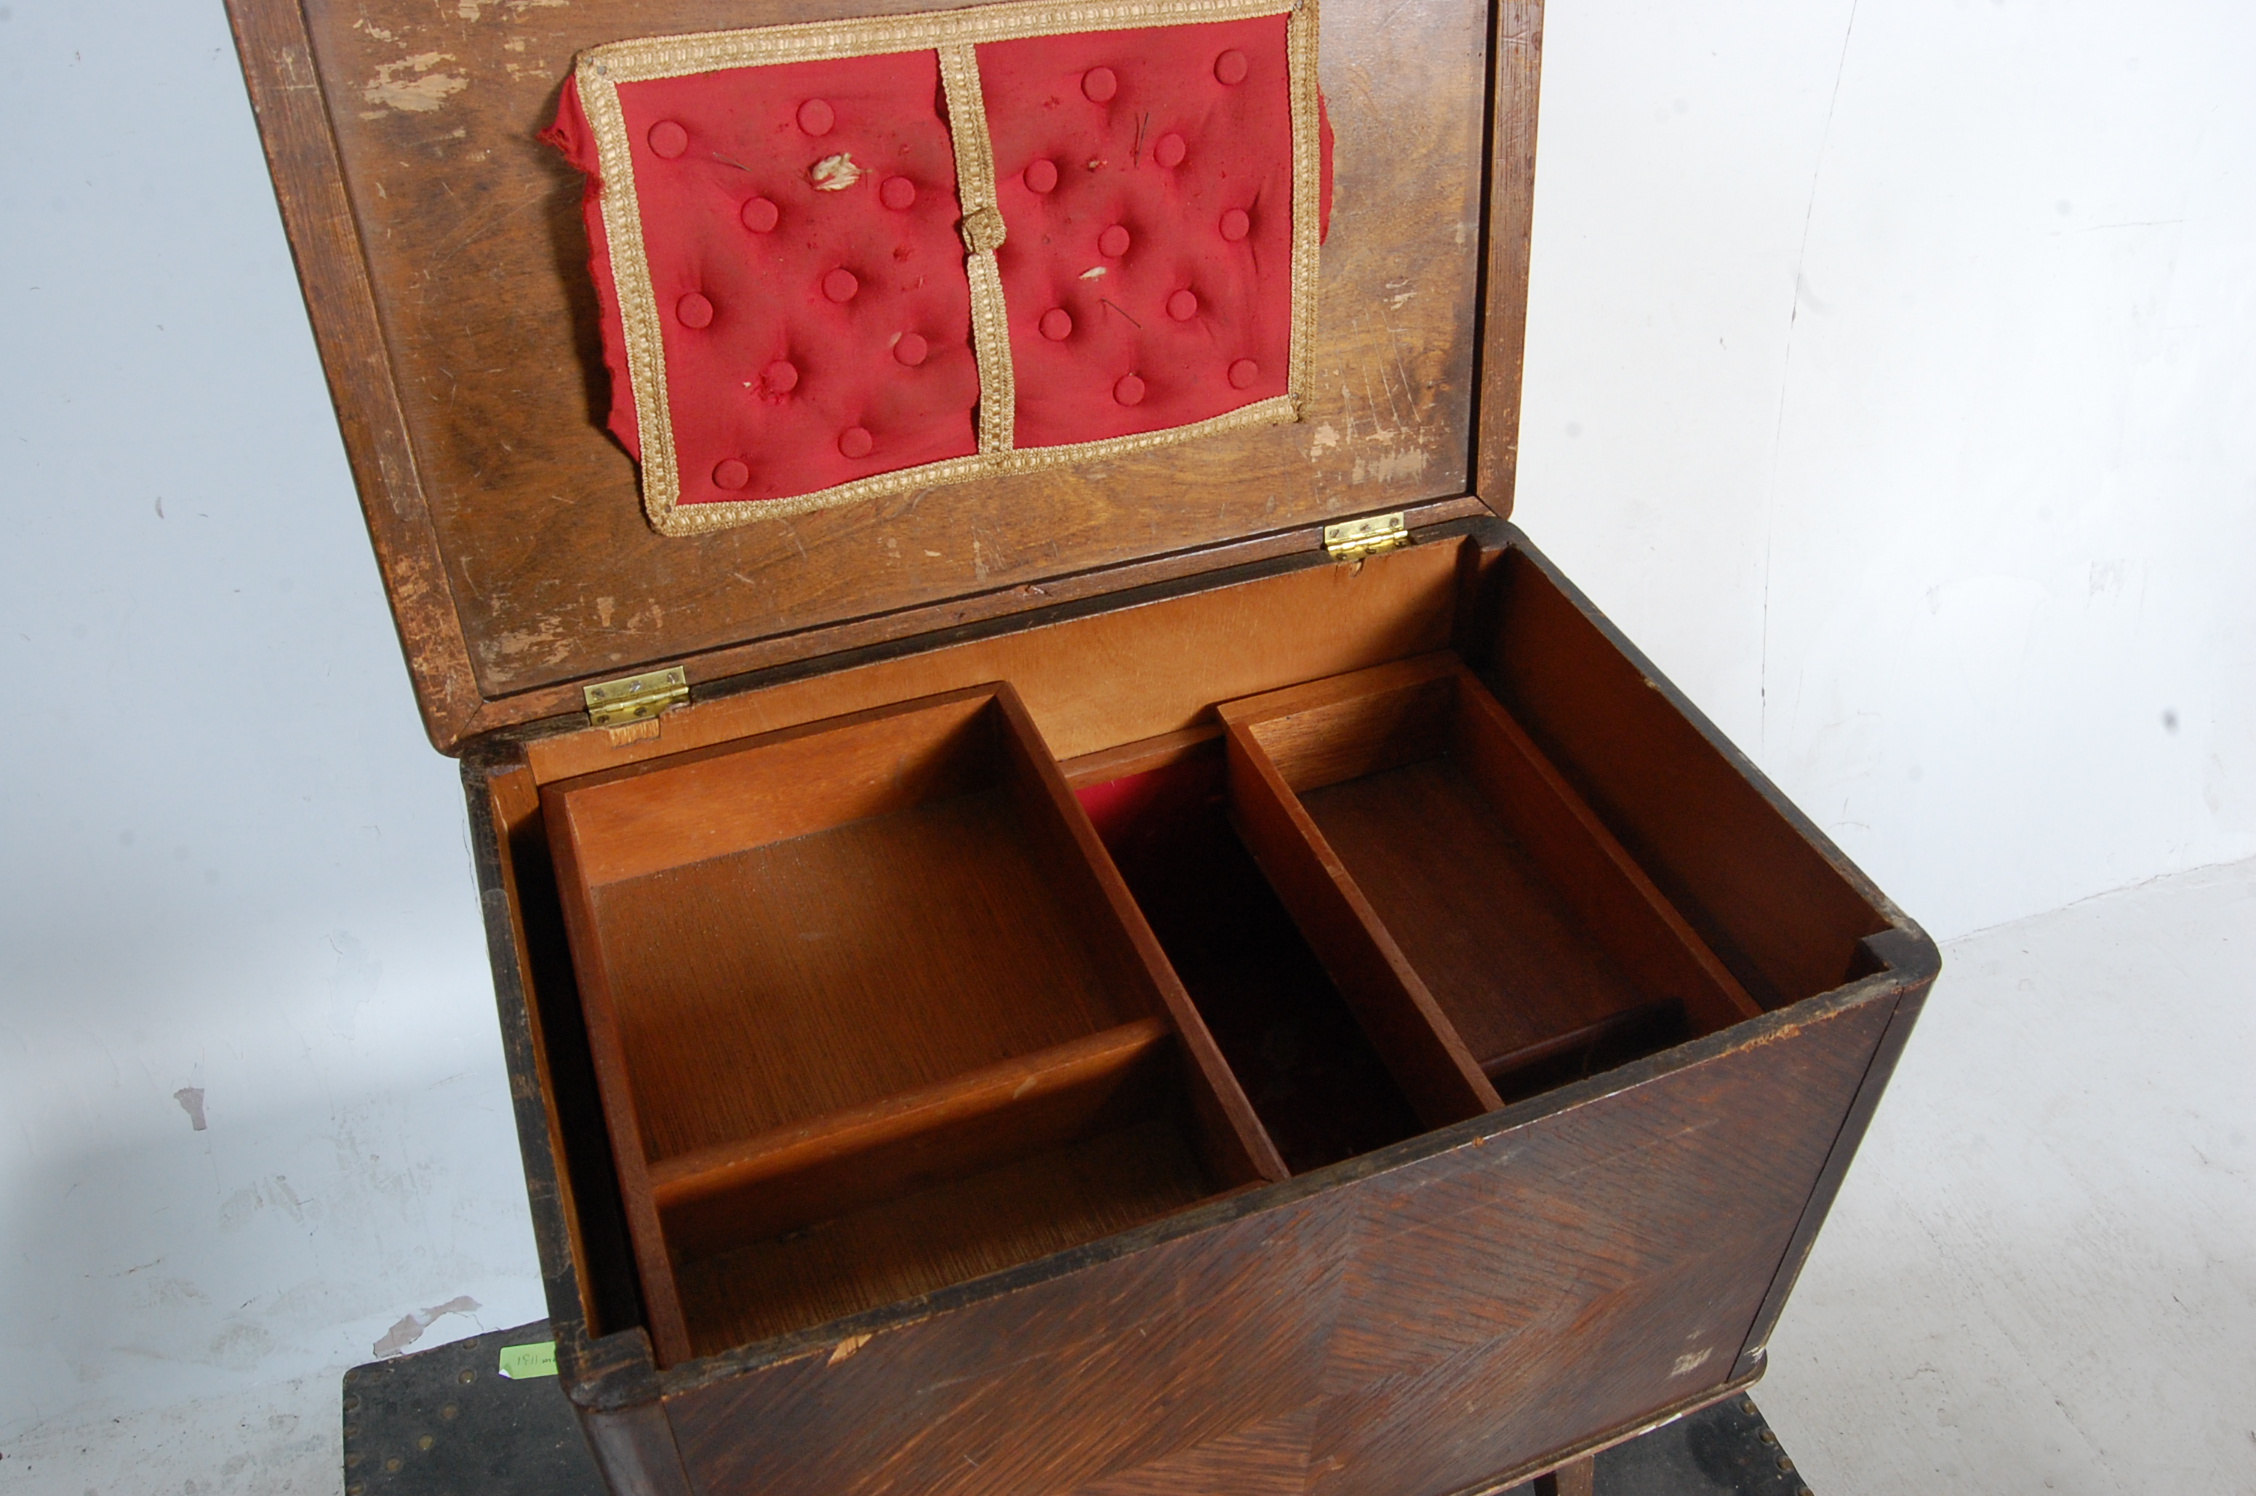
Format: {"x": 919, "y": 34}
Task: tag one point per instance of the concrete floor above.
{"x": 2040, "y": 1276}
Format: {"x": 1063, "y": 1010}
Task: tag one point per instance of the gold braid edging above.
{"x": 813, "y": 41}
{"x": 638, "y": 302}
{"x": 1308, "y": 196}
{"x": 983, "y": 235}
{"x": 703, "y": 519}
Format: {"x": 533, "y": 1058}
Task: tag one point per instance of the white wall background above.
{"x": 1890, "y": 378}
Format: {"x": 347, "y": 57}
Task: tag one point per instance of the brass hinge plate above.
{"x": 1360, "y": 539}
{"x": 637, "y": 698}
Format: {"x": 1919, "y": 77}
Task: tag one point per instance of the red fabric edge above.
{"x": 571, "y": 135}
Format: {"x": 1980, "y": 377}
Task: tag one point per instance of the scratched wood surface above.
{"x": 461, "y": 338}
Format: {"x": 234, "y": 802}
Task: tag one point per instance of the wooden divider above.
{"x": 1601, "y": 881}
{"x": 793, "y": 1177}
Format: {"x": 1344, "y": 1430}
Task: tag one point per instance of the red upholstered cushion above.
{"x": 802, "y": 227}
{"x": 795, "y": 374}
{"x": 1150, "y": 149}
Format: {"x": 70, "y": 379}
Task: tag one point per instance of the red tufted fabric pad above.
{"x": 781, "y": 372}
{"x": 1123, "y": 228}
{"x": 793, "y": 316}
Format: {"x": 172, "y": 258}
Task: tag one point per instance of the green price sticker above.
{"x": 520, "y": 1362}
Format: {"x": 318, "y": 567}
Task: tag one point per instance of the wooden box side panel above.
{"x": 1525, "y": 1290}
{"x": 579, "y": 1217}
{"x": 1776, "y": 901}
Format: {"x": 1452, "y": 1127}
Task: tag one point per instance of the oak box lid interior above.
{"x": 445, "y": 263}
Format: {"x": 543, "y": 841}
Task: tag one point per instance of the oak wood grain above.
{"x": 1508, "y": 217}
{"x": 1162, "y": 664}
{"x": 301, "y": 153}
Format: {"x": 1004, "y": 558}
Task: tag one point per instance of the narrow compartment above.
{"x": 1162, "y": 808}
{"x": 841, "y": 976}
{"x": 1493, "y": 935}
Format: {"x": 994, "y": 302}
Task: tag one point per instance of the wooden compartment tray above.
{"x": 872, "y": 1013}
{"x": 1489, "y": 930}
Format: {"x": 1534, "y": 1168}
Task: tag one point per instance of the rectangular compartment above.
{"x": 872, "y": 1014}
{"x": 1320, "y": 1088}
{"x": 1491, "y": 933}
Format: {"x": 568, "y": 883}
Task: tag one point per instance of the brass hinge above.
{"x": 636, "y": 698}
{"x": 1361, "y": 539}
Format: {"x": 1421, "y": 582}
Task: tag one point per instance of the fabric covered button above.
{"x": 760, "y": 215}
{"x": 898, "y": 193}
{"x": 1113, "y": 242}
{"x": 840, "y": 284}
{"x": 668, "y": 139}
{"x": 1057, "y": 324}
{"x": 1129, "y": 391}
{"x": 912, "y": 349}
{"x": 694, "y": 311}
{"x": 816, "y": 117}
{"x": 1230, "y": 67}
{"x": 1099, "y": 84}
{"x": 1182, "y": 306}
{"x": 1243, "y": 373}
{"x": 731, "y": 474}
{"x": 1236, "y": 225}
{"x": 781, "y": 377}
{"x": 1040, "y": 176}
{"x": 855, "y": 442}
{"x": 1170, "y": 151}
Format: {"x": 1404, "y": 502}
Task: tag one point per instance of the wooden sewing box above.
{"x": 1214, "y": 970}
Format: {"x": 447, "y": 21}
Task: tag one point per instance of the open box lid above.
{"x": 445, "y": 261}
